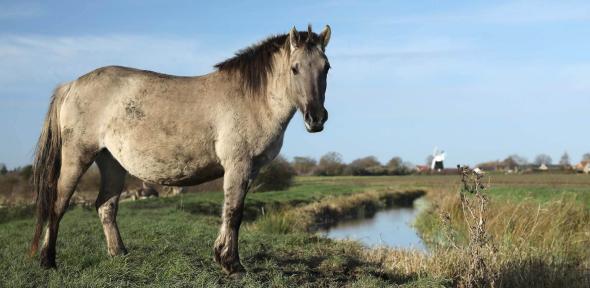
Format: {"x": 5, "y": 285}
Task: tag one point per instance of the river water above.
{"x": 391, "y": 227}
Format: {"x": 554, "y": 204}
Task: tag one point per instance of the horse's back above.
{"x": 154, "y": 124}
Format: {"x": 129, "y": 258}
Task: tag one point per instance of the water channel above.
{"x": 391, "y": 228}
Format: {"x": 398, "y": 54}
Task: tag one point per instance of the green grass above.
{"x": 171, "y": 248}
{"x": 536, "y": 225}
{"x": 540, "y": 194}
{"x": 170, "y": 240}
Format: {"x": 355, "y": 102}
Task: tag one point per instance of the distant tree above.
{"x": 511, "y": 162}
{"x": 304, "y": 165}
{"x": 376, "y": 170}
{"x": 518, "y": 160}
{"x": 565, "y": 160}
{"x": 3, "y": 169}
{"x": 365, "y": 166}
{"x": 330, "y": 165}
{"x": 277, "y": 175}
{"x": 396, "y": 166}
{"x": 406, "y": 168}
{"x": 26, "y": 172}
{"x": 543, "y": 159}
{"x": 586, "y": 157}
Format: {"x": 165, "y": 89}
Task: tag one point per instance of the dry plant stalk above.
{"x": 474, "y": 203}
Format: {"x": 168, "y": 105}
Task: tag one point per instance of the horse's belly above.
{"x": 176, "y": 166}
{"x": 175, "y": 173}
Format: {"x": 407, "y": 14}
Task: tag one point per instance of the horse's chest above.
{"x": 268, "y": 151}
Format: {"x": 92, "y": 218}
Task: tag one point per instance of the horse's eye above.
{"x": 327, "y": 67}
{"x": 295, "y": 69}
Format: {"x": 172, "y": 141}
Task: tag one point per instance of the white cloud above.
{"x": 32, "y": 60}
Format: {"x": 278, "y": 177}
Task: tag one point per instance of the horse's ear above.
{"x": 293, "y": 38}
{"x": 325, "y": 36}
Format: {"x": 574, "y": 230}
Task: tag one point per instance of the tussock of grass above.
{"x": 557, "y": 225}
{"x": 536, "y": 244}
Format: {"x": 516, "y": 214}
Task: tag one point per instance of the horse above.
{"x": 227, "y": 123}
{"x": 146, "y": 191}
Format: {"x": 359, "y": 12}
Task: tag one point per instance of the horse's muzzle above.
{"x": 315, "y": 123}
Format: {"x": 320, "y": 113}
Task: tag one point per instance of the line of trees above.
{"x": 24, "y": 172}
{"x": 514, "y": 161}
{"x": 331, "y": 164}
{"x": 279, "y": 173}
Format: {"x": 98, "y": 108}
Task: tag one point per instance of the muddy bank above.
{"x": 331, "y": 210}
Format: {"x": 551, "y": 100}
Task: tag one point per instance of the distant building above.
{"x": 543, "y": 167}
{"x": 438, "y": 158}
{"x": 422, "y": 168}
{"x": 583, "y": 167}
{"x": 490, "y": 166}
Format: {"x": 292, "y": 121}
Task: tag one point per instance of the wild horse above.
{"x": 227, "y": 123}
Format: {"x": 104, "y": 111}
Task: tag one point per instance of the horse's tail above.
{"x": 46, "y": 167}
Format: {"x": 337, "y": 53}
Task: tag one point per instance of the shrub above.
{"x": 376, "y": 170}
{"x": 365, "y": 166}
{"x": 3, "y": 169}
{"x": 330, "y": 164}
{"x": 304, "y": 165}
{"x": 277, "y": 175}
{"x": 26, "y": 172}
{"x": 396, "y": 166}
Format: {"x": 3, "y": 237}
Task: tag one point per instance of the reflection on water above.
{"x": 391, "y": 228}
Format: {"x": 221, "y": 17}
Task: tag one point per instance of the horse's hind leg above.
{"x": 111, "y": 185}
{"x": 74, "y": 164}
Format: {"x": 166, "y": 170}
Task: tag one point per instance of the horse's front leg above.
{"x": 235, "y": 186}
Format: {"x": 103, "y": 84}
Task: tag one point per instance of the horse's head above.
{"x": 308, "y": 71}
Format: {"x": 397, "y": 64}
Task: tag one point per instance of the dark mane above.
{"x": 253, "y": 64}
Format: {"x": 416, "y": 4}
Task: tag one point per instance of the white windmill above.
{"x": 438, "y": 157}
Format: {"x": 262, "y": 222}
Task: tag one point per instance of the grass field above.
{"x": 170, "y": 240}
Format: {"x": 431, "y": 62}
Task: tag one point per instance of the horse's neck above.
{"x": 279, "y": 104}
{"x": 280, "y": 109}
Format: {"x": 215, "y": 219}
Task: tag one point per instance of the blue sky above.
{"x": 479, "y": 79}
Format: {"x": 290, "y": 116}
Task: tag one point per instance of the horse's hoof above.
{"x": 237, "y": 276}
{"x": 118, "y": 252}
{"x": 47, "y": 264}
{"x": 47, "y": 260}
{"x": 234, "y": 270}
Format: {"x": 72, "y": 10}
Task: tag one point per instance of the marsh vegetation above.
{"x": 537, "y": 223}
